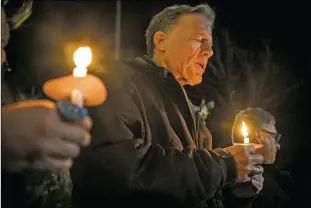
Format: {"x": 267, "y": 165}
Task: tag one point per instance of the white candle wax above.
{"x": 246, "y": 140}
{"x": 77, "y": 98}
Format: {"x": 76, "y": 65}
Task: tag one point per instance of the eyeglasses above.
{"x": 276, "y": 136}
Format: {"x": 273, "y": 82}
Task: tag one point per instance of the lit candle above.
{"x": 245, "y": 133}
{"x": 246, "y": 138}
{"x": 82, "y": 58}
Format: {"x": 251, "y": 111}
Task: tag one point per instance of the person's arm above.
{"x": 122, "y": 159}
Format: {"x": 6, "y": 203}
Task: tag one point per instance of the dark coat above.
{"x": 147, "y": 148}
{"x": 276, "y": 192}
{"x": 277, "y": 189}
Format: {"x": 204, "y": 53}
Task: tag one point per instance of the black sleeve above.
{"x": 231, "y": 200}
{"x": 122, "y": 161}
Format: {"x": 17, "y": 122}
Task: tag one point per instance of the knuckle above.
{"x": 48, "y": 121}
{"x": 38, "y": 145}
{"x": 70, "y": 150}
{"x": 252, "y": 149}
{"x": 39, "y": 165}
{"x": 248, "y": 169}
{"x": 75, "y": 151}
{"x": 53, "y": 166}
{"x": 79, "y": 136}
{"x": 87, "y": 123}
{"x": 46, "y": 125}
{"x": 248, "y": 160}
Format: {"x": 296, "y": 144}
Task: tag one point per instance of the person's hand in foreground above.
{"x": 36, "y": 136}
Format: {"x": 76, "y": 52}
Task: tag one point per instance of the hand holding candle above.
{"x": 257, "y": 169}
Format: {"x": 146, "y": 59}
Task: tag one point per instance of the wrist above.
{"x": 230, "y": 165}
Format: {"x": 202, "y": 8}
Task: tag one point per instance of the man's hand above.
{"x": 35, "y": 137}
{"x": 252, "y": 186}
{"x": 257, "y": 182}
{"x": 246, "y": 160}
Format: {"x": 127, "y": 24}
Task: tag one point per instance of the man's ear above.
{"x": 159, "y": 40}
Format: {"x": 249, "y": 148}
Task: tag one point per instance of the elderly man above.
{"x": 277, "y": 185}
{"x": 33, "y": 135}
{"x": 146, "y": 149}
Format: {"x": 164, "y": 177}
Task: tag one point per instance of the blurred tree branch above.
{"x": 238, "y": 78}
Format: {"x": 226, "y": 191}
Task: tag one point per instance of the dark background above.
{"x": 43, "y": 48}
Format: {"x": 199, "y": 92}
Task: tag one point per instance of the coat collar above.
{"x": 178, "y": 94}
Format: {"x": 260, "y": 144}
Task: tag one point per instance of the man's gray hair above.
{"x": 169, "y": 16}
{"x": 254, "y": 118}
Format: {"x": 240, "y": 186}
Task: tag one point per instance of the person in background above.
{"x": 277, "y": 186}
{"x": 147, "y": 148}
{"x": 34, "y": 137}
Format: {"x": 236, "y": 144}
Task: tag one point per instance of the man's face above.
{"x": 188, "y": 48}
{"x": 267, "y": 137}
{"x": 5, "y": 35}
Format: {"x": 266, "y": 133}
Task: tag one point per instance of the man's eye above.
{"x": 199, "y": 40}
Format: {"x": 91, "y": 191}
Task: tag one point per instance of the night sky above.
{"x": 43, "y": 47}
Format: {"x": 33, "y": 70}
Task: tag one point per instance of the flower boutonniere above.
{"x": 205, "y": 108}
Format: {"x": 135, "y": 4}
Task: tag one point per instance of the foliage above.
{"x": 49, "y": 189}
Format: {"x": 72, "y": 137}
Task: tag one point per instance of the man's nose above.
{"x": 207, "y": 50}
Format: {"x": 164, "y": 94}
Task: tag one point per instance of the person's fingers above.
{"x": 48, "y": 163}
{"x": 250, "y": 149}
{"x": 71, "y": 112}
{"x": 246, "y": 178}
{"x": 74, "y": 123}
{"x": 258, "y": 184}
{"x": 86, "y": 123}
{"x": 255, "y": 159}
{"x": 43, "y": 104}
{"x": 258, "y": 177}
{"x": 73, "y": 133}
{"x": 59, "y": 148}
{"x": 249, "y": 169}
{"x": 242, "y": 176}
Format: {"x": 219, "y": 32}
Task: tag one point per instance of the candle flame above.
{"x": 79, "y": 72}
{"x": 245, "y": 133}
{"x": 244, "y": 129}
{"x": 82, "y": 58}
